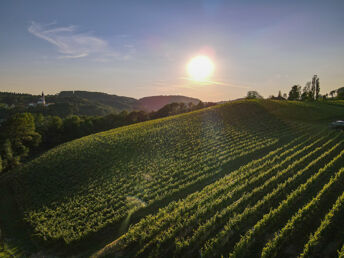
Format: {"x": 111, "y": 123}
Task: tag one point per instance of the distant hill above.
{"x": 117, "y": 102}
{"x": 154, "y": 103}
{"x": 84, "y": 103}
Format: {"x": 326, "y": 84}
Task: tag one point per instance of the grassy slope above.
{"x": 68, "y": 187}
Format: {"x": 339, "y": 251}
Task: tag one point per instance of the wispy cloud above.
{"x": 71, "y": 43}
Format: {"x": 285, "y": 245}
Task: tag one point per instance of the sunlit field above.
{"x": 235, "y": 179}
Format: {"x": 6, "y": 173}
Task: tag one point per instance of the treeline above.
{"x": 12, "y": 103}
{"x": 310, "y": 92}
{"x": 25, "y": 135}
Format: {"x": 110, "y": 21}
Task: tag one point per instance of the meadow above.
{"x": 247, "y": 178}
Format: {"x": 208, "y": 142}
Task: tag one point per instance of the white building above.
{"x": 41, "y": 101}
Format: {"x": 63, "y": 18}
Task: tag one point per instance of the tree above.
{"x": 279, "y": 95}
{"x": 9, "y": 160}
{"x": 18, "y": 136}
{"x": 200, "y": 105}
{"x": 295, "y": 93}
{"x": 313, "y": 88}
{"x": 332, "y": 92}
{"x": 340, "y": 93}
{"x": 51, "y": 131}
{"x": 317, "y": 88}
{"x": 21, "y": 128}
{"x": 324, "y": 97}
{"x": 71, "y": 127}
{"x": 253, "y": 95}
{"x": 306, "y": 92}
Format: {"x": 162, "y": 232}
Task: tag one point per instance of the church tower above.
{"x": 43, "y": 98}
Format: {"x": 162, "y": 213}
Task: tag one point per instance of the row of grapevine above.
{"x": 294, "y": 187}
{"x": 303, "y": 219}
{"x": 260, "y": 183}
{"x": 256, "y": 237}
{"x": 216, "y": 217}
{"x": 219, "y": 188}
{"x": 215, "y": 202}
{"x": 136, "y": 168}
{"x": 341, "y": 252}
{"x": 331, "y": 225}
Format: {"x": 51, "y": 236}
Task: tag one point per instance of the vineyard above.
{"x": 244, "y": 179}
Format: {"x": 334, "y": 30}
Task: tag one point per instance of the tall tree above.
{"x": 307, "y": 92}
{"x": 279, "y": 95}
{"x": 313, "y": 88}
{"x": 317, "y": 88}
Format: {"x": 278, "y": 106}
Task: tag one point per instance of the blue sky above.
{"x": 141, "y": 48}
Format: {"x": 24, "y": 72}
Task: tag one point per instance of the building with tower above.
{"x": 41, "y": 101}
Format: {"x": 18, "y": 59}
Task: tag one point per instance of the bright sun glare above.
{"x": 200, "y": 68}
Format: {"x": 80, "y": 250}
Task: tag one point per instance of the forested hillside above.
{"x": 239, "y": 179}
{"x": 84, "y": 103}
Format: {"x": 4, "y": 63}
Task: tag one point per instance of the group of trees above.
{"x": 17, "y": 136}
{"x": 24, "y": 135}
{"x": 338, "y": 93}
{"x": 310, "y": 92}
{"x": 253, "y": 95}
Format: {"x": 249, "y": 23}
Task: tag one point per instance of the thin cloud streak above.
{"x": 72, "y": 44}
{"x": 68, "y": 41}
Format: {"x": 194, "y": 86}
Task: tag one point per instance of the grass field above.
{"x": 239, "y": 179}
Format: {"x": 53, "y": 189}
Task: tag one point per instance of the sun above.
{"x": 200, "y": 68}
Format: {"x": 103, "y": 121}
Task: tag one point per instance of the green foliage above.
{"x": 238, "y": 179}
{"x": 341, "y": 252}
{"x": 83, "y": 103}
{"x": 295, "y": 93}
{"x": 17, "y": 135}
{"x": 325, "y": 232}
{"x": 317, "y": 88}
{"x": 340, "y": 93}
{"x": 21, "y": 128}
{"x": 311, "y": 91}
{"x": 253, "y": 95}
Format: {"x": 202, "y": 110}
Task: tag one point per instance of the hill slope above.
{"x": 118, "y": 103}
{"x": 154, "y": 103}
{"x": 85, "y": 103}
{"x": 250, "y": 155}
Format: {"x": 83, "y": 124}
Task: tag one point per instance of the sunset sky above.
{"x": 142, "y": 48}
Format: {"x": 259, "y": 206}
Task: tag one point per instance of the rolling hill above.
{"x": 85, "y": 103}
{"x": 246, "y": 177}
{"x": 120, "y": 103}
{"x": 154, "y": 103}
